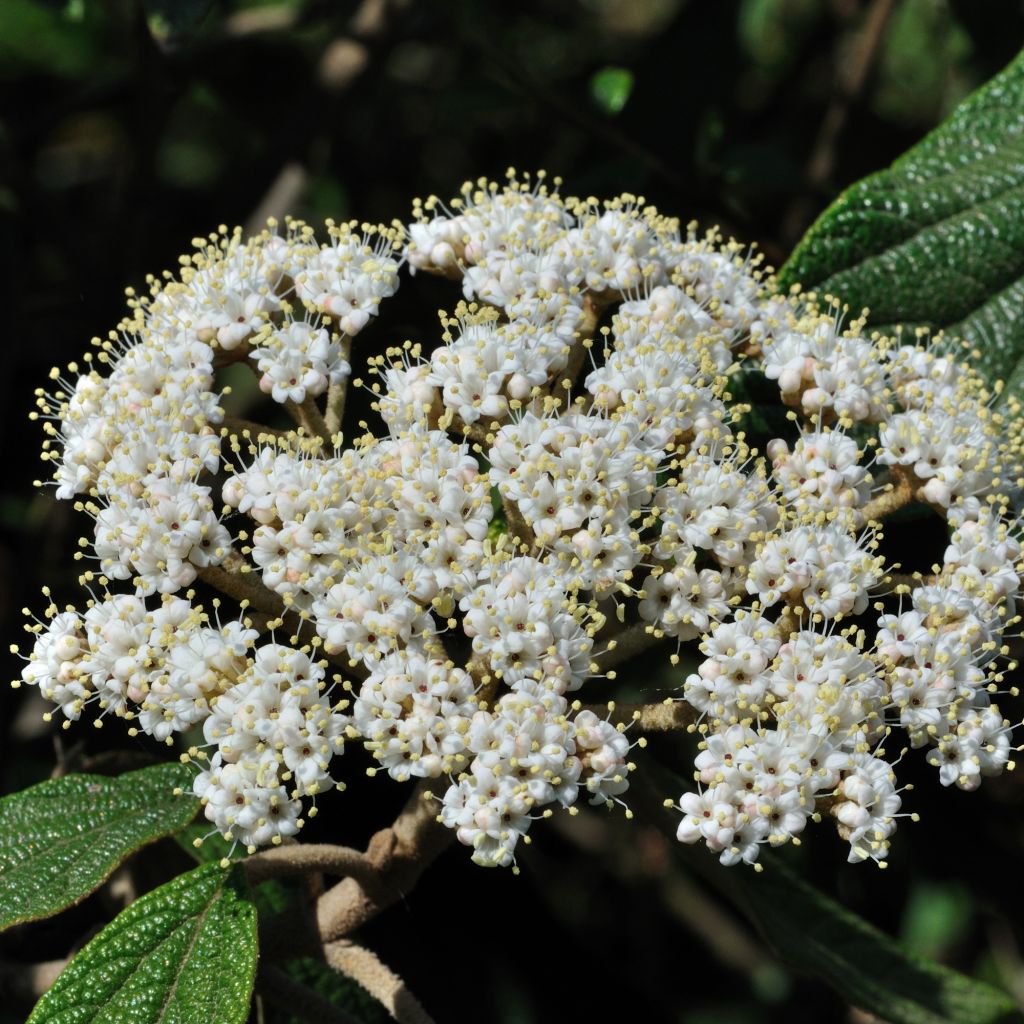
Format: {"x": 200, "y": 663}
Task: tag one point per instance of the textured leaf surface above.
{"x": 61, "y": 839}
{"x": 182, "y": 954}
{"x": 817, "y": 935}
{"x": 938, "y": 238}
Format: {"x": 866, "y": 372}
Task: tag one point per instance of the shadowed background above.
{"x": 128, "y": 128}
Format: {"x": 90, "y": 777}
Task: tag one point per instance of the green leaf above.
{"x": 817, "y": 935}
{"x": 936, "y": 916}
{"x": 938, "y": 238}
{"x": 610, "y": 88}
{"x": 182, "y": 954}
{"x": 34, "y": 38}
{"x": 211, "y": 850}
{"x": 60, "y": 839}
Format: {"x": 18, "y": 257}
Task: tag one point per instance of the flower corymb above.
{"x": 564, "y": 476}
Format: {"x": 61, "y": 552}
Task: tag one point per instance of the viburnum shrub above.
{"x": 561, "y": 483}
{"x": 566, "y": 479}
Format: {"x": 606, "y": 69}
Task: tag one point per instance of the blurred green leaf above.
{"x": 172, "y": 22}
{"x": 611, "y": 88}
{"x": 938, "y": 238}
{"x": 184, "y": 953}
{"x": 35, "y": 37}
{"x": 327, "y": 198}
{"x": 772, "y": 31}
{"x": 921, "y": 69}
{"x": 61, "y": 839}
{"x": 815, "y": 934}
{"x": 199, "y": 138}
{"x": 935, "y": 917}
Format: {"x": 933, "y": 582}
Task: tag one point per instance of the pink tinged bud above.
{"x": 67, "y": 648}
{"x": 709, "y": 670}
{"x": 789, "y": 381}
{"x": 442, "y": 255}
{"x": 814, "y": 400}
{"x": 585, "y": 544}
{"x": 93, "y": 451}
{"x": 936, "y": 492}
{"x": 518, "y": 386}
{"x": 354, "y": 322}
{"x": 852, "y": 815}
{"x": 232, "y": 335}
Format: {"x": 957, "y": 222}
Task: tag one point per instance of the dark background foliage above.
{"x": 128, "y": 128}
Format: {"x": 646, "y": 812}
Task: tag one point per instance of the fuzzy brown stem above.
{"x": 225, "y": 357}
{"x": 668, "y": 716}
{"x": 631, "y": 641}
{"x": 400, "y": 854}
{"x": 912, "y": 580}
{"x": 238, "y": 425}
{"x": 307, "y": 858}
{"x": 337, "y": 393}
{"x": 236, "y": 578}
{"x": 517, "y": 525}
{"x": 898, "y": 494}
{"x": 308, "y": 416}
{"x": 593, "y": 305}
{"x": 789, "y": 622}
{"x": 365, "y": 967}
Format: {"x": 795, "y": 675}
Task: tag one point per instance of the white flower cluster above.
{"x": 561, "y": 481}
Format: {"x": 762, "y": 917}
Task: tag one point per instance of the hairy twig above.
{"x": 236, "y": 578}
{"x": 308, "y": 416}
{"x": 789, "y": 622}
{"x": 243, "y": 427}
{"x": 898, "y": 493}
{"x": 337, "y": 393}
{"x": 666, "y": 716}
{"x": 592, "y": 308}
{"x": 400, "y": 854}
{"x": 518, "y": 527}
{"x": 364, "y": 967}
{"x": 306, "y": 858}
{"x": 225, "y": 357}
{"x": 912, "y": 579}
{"x": 630, "y": 642}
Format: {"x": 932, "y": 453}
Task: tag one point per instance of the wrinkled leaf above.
{"x": 60, "y": 839}
{"x": 816, "y": 935}
{"x": 182, "y": 954}
{"x": 938, "y": 238}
